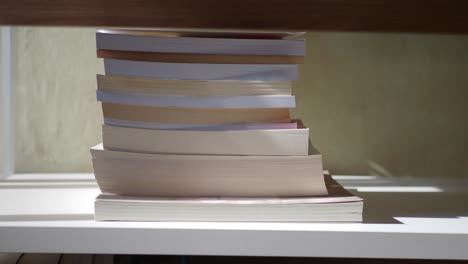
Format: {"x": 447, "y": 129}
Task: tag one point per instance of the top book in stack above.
{"x": 152, "y": 54}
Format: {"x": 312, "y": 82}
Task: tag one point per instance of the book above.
{"x": 151, "y": 42}
{"x": 198, "y": 58}
{"x": 270, "y": 142}
{"x": 192, "y": 87}
{"x": 166, "y": 175}
{"x": 162, "y": 100}
{"x": 178, "y": 115}
{"x": 200, "y": 127}
{"x": 201, "y": 71}
{"x": 203, "y": 33}
{"x": 338, "y": 206}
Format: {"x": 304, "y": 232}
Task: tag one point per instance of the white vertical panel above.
{"x": 6, "y": 118}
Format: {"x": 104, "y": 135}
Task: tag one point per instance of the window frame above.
{"x": 7, "y": 133}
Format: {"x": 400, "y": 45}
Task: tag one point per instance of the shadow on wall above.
{"x": 389, "y": 199}
{"x": 386, "y": 104}
{"x": 383, "y": 207}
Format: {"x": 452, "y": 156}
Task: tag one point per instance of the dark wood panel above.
{"x": 446, "y": 16}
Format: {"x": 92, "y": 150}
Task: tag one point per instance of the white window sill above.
{"x": 409, "y": 218}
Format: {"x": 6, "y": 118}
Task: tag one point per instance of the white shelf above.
{"x": 405, "y": 218}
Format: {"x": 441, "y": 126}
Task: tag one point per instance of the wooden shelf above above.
{"x": 441, "y": 16}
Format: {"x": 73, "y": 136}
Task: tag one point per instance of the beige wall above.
{"x": 57, "y": 116}
{"x": 389, "y": 104}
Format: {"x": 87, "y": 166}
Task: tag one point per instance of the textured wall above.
{"x": 57, "y": 116}
{"x": 390, "y": 104}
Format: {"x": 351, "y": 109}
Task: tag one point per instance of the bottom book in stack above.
{"x": 338, "y": 206}
{"x": 168, "y": 187}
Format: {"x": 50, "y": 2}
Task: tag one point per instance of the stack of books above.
{"x": 197, "y": 128}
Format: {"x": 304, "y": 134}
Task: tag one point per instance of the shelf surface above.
{"x": 404, "y": 218}
{"x": 342, "y": 15}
